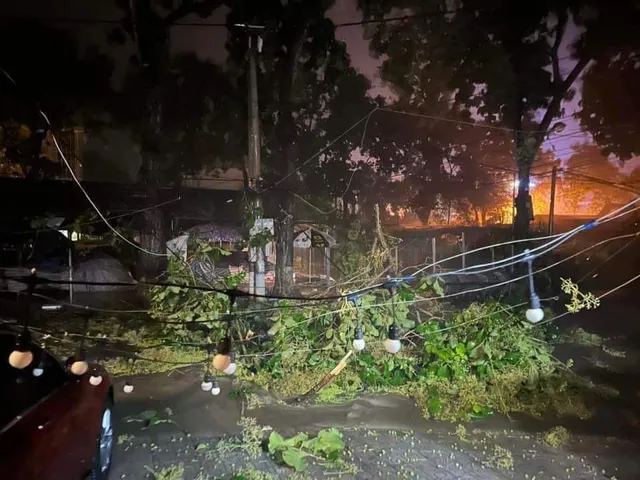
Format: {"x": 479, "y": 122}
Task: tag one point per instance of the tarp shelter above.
{"x": 312, "y": 239}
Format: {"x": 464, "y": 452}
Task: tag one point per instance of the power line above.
{"x": 108, "y": 21}
{"x": 80, "y": 186}
{"x": 321, "y": 151}
{"x": 390, "y": 283}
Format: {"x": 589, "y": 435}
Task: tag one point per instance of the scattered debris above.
{"x": 557, "y": 437}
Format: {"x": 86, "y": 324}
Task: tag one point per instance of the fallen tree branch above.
{"x": 325, "y": 381}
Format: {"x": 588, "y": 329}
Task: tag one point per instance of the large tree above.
{"x": 49, "y": 74}
{"x": 610, "y": 102}
{"x": 308, "y": 95}
{"x": 502, "y": 60}
{"x": 148, "y": 23}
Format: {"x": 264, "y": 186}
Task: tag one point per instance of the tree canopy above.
{"x": 49, "y": 74}
{"x": 500, "y": 62}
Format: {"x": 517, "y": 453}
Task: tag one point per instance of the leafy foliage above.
{"x": 327, "y": 445}
{"x": 184, "y": 305}
{"x": 579, "y": 300}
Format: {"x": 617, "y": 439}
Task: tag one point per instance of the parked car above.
{"x": 53, "y": 424}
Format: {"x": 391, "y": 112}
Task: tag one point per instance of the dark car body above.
{"x": 50, "y": 426}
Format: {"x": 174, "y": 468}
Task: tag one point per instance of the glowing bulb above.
{"x": 79, "y": 365}
{"x": 20, "y": 360}
{"x": 231, "y": 369}
{"x": 215, "y": 388}
{"x": 128, "y": 387}
{"x": 358, "y": 341}
{"x": 22, "y": 357}
{"x": 221, "y": 362}
{"x": 95, "y": 379}
{"x": 207, "y": 382}
{"x": 392, "y": 344}
{"x": 534, "y": 315}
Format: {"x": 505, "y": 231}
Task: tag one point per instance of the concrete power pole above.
{"x": 552, "y": 201}
{"x": 256, "y": 255}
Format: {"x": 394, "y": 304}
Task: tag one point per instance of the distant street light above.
{"x": 516, "y": 184}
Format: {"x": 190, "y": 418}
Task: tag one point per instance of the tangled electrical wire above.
{"x": 224, "y": 360}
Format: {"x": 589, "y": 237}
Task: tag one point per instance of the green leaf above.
{"x": 437, "y": 287}
{"x": 276, "y": 442}
{"x": 329, "y": 442}
{"x": 203, "y": 446}
{"x": 295, "y": 459}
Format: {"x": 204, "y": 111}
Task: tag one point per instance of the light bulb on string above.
{"x": 38, "y": 371}
{"x": 207, "y": 382}
{"x": 128, "y": 386}
{"x": 21, "y": 357}
{"x": 96, "y": 377}
{"x": 222, "y": 360}
{"x": 78, "y": 363}
{"x": 534, "y": 313}
{"x": 215, "y": 387}
{"x": 358, "y": 340}
{"x": 231, "y": 369}
{"x": 392, "y": 343}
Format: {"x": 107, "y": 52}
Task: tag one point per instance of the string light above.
{"x": 358, "y": 341}
{"x": 534, "y": 313}
{"x": 21, "y": 357}
{"x": 231, "y": 369}
{"x": 392, "y": 343}
{"x": 215, "y": 389}
{"x": 79, "y": 364}
{"x": 96, "y": 377}
{"x": 128, "y": 387}
{"x": 222, "y": 360}
{"x": 207, "y": 382}
{"x": 39, "y": 370}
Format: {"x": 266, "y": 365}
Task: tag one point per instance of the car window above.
{"x": 21, "y": 389}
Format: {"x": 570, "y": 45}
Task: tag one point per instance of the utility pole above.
{"x": 256, "y": 255}
{"x": 552, "y": 201}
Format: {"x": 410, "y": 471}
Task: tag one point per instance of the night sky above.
{"x": 208, "y": 43}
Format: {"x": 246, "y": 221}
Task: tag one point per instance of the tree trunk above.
{"x": 524, "y": 208}
{"x": 287, "y": 137}
{"x": 152, "y": 235}
{"x": 284, "y": 246}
